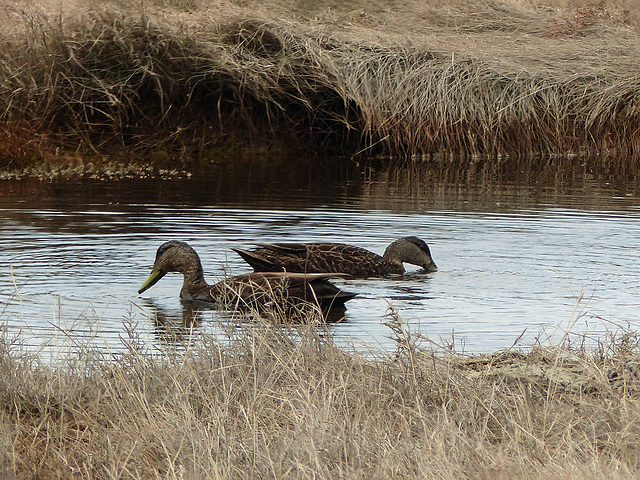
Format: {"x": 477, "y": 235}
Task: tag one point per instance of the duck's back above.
{"x": 259, "y": 289}
{"x": 320, "y": 258}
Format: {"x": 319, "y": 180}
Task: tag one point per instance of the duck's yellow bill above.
{"x": 156, "y": 274}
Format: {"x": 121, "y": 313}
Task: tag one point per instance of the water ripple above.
{"x": 71, "y": 264}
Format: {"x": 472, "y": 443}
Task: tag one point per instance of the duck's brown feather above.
{"x": 338, "y": 258}
{"x": 248, "y": 290}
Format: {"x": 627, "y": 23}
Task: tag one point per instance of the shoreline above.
{"x": 287, "y": 402}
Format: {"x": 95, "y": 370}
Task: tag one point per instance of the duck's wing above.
{"x": 316, "y": 257}
{"x": 342, "y": 258}
{"x": 314, "y": 287}
{"x": 286, "y": 248}
{"x": 257, "y": 261}
{"x": 272, "y": 257}
{"x": 323, "y": 257}
{"x": 298, "y": 278}
{"x": 257, "y": 289}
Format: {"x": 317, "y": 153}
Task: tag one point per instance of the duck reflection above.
{"x": 178, "y": 327}
{"x": 173, "y": 326}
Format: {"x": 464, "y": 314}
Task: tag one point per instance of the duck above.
{"x": 353, "y": 261}
{"x": 250, "y": 290}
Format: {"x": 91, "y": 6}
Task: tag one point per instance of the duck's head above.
{"x": 411, "y": 250}
{"x": 173, "y": 256}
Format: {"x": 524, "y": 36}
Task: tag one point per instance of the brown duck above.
{"x": 249, "y": 290}
{"x": 339, "y": 258}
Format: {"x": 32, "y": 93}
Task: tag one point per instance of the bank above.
{"x": 170, "y": 81}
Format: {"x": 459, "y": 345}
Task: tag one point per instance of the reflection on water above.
{"x": 171, "y": 328}
{"x": 533, "y": 248}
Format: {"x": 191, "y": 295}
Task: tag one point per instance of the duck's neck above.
{"x": 391, "y": 257}
{"x": 194, "y": 282}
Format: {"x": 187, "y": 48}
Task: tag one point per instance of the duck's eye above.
{"x": 162, "y": 250}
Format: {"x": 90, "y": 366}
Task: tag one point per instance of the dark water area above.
{"x": 538, "y": 251}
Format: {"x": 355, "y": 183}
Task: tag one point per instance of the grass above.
{"x": 189, "y": 77}
{"x": 285, "y": 402}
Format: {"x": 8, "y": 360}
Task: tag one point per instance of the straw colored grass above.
{"x": 190, "y": 76}
{"x": 284, "y": 402}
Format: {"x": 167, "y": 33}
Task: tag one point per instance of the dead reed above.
{"x": 285, "y": 402}
{"x": 504, "y": 79}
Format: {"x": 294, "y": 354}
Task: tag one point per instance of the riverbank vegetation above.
{"x": 275, "y": 402}
{"x": 195, "y": 77}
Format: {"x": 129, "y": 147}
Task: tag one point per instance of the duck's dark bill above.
{"x": 432, "y": 267}
{"x": 152, "y": 280}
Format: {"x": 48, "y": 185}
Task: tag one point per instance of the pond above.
{"x": 540, "y": 251}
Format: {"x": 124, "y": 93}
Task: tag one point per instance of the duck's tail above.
{"x": 258, "y": 263}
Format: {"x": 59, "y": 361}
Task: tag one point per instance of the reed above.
{"x": 131, "y": 79}
{"x": 285, "y": 402}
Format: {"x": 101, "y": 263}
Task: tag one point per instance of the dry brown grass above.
{"x": 409, "y": 78}
{"x": 269, "y": 402}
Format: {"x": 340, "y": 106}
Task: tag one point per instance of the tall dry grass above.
{"x": 286, "y": 402}
{"x": 466, "y": 77}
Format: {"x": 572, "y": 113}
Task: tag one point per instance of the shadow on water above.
{"x": 516, "y": 241}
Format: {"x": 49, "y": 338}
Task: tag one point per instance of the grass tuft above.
{"x": 284, "y": 401}
{"x": 487, "y": 78}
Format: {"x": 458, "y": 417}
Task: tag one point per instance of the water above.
{"x": 526, "y": 255}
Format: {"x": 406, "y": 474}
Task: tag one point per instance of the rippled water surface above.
{"x": 525, "y": 255}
